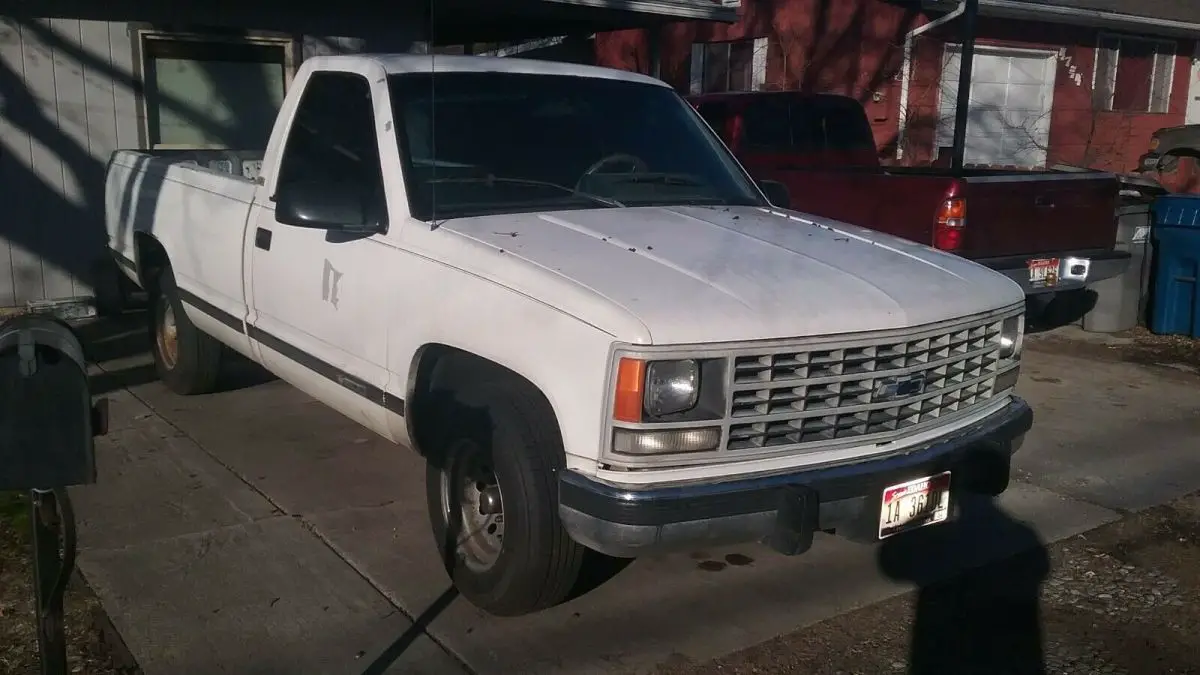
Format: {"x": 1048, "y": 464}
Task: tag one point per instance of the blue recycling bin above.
{"x": 1176, "y": 235}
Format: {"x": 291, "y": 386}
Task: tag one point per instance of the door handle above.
{"x": 262, "y": 239}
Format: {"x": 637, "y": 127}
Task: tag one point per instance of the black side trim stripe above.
{"x": 330, "y": 372}
{"x": 123, "y": 261}
{"x": 212, "y": 310}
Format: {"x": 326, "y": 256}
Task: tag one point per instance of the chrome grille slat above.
{"x": 798, "y": 396}
{"x": 866, "y": 405}
{"x": 890, "y": 372}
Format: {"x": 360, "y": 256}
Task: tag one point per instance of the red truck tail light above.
{"x": 949, "y": 225}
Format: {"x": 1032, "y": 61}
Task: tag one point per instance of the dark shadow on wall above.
{"x": 50, "y": 227}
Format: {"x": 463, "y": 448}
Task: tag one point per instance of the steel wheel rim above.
{"x": 470, "y": 490}
{"x": 168, "y": 335}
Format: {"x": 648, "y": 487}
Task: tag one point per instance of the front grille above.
{"x": 816, "y": 395}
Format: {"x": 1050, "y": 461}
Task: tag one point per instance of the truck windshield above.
{"x": 490, "y": 143}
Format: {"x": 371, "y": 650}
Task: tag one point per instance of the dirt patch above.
{"x": 1138, "y": 346}
{"x": 1124, "y": 598}
{"x": 90, "y": 647}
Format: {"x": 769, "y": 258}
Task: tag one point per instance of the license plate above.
{"x": 1043, "y": 272}
{"x": 917, "y": 503}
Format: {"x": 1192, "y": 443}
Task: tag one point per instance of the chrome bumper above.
{"x": 1074, "y": 271}
{"x": 785, "y": 510}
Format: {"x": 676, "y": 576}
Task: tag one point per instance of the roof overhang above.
{"x": 452, "y": 21}
{"x": 1075, "y": 15}
{"x": 678, "y": 10}
{"x": 461, "y": 21}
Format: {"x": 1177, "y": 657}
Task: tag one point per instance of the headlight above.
{"x": 1012, "y": 336}
{"x": 665, "y": 441}
{"x": 671, "y": 387}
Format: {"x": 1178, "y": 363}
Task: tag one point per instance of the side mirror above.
{"x": 324, "y": 205}
{"x": 776, "y": 192}
{"x": 47, "y": 418}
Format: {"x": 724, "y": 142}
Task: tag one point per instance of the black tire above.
{"x": 109, "y": 287}
{"x": 537, "y": 563}
{"x": 196, "y": 360}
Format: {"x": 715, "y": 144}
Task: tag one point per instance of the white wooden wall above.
{"x": 62, "y": 112}
{"x": 66, "y": 102}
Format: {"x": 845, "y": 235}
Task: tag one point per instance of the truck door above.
{"x": 318, "y": 298}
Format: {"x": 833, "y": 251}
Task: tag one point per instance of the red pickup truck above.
{"x": 1048, "y": 231}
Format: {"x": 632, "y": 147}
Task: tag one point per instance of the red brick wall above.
{"x": 850, "y": 47}
{"x": 855, "y": 47}
{"x": 1078, "y": 134}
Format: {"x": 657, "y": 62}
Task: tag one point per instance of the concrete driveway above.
{"x": 254, "y": 531}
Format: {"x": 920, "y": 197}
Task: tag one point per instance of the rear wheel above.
{"x": 186, "y": 359}
{"x": 110, "y": 287}
{"x": 493, "y": 502}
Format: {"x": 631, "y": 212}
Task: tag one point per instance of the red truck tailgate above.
{"x": 1018, "y": 214}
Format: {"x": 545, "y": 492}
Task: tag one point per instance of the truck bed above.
{"x": 188, "y": 207}
{"x": 1009, "y": 213}
{"x": 821, "y": 148}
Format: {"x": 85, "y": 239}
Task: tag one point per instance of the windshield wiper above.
{"x": 657, "y": 178}
{"x": 489, "y": 179}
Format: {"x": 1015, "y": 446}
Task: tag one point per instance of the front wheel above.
{"x": 186, "y": 359}
{"x": 493, "y": 502}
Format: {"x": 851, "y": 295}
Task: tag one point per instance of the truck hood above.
{"x": 716, "y": 274}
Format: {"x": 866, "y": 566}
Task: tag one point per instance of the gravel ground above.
{"x": 1138, "y": 345}
{"x": 1118, "y": 600}
{"x": 87, "y": 652}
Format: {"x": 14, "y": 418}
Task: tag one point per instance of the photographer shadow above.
{"x": 979, "y": 577}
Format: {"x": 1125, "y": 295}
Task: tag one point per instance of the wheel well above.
{"x": 439, "y": 370}
{"x": 151, "y": 259}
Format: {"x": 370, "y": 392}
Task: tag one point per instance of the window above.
{"x": 516, "y": 142}
{"x": 728, "y": 66}
{"x": 332, "y": 141}
{"x": 1133, "y": 74}
{"x": 212, "y": 93}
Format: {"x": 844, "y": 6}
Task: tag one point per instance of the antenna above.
{"x": 433, "y": 221}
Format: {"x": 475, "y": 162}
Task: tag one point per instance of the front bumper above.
{"x": 1095, "y": 266}
{"x": 784, "y": 509}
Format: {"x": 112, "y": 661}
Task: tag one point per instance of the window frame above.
{"x": 380, "y": 190}
{"x": 144, "y": 38}
{"x": 404, "y": 153}
{"x": 758, "y": 64}
{"x": 1162, "y": 47}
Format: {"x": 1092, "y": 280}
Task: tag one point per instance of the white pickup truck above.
{"x": 577, "y": 306}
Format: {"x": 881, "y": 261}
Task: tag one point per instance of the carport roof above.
{"x": 1165, "y": 17}
{"x": 452, "y": 21}
{"x": 462, "y": 21}
{"x": 704, "y": 10}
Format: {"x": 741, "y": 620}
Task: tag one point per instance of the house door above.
{"x": 1012, "y": 95}
{"x": 1193, "y": 106}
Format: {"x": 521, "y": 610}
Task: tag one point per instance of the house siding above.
{"x": 856, "y": 47}
{"x": 62, "y": 115}
{"x": 69, "y": 97}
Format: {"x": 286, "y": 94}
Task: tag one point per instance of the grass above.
{"x": 14, "y": 511}
{"x": 86, "y": 652}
